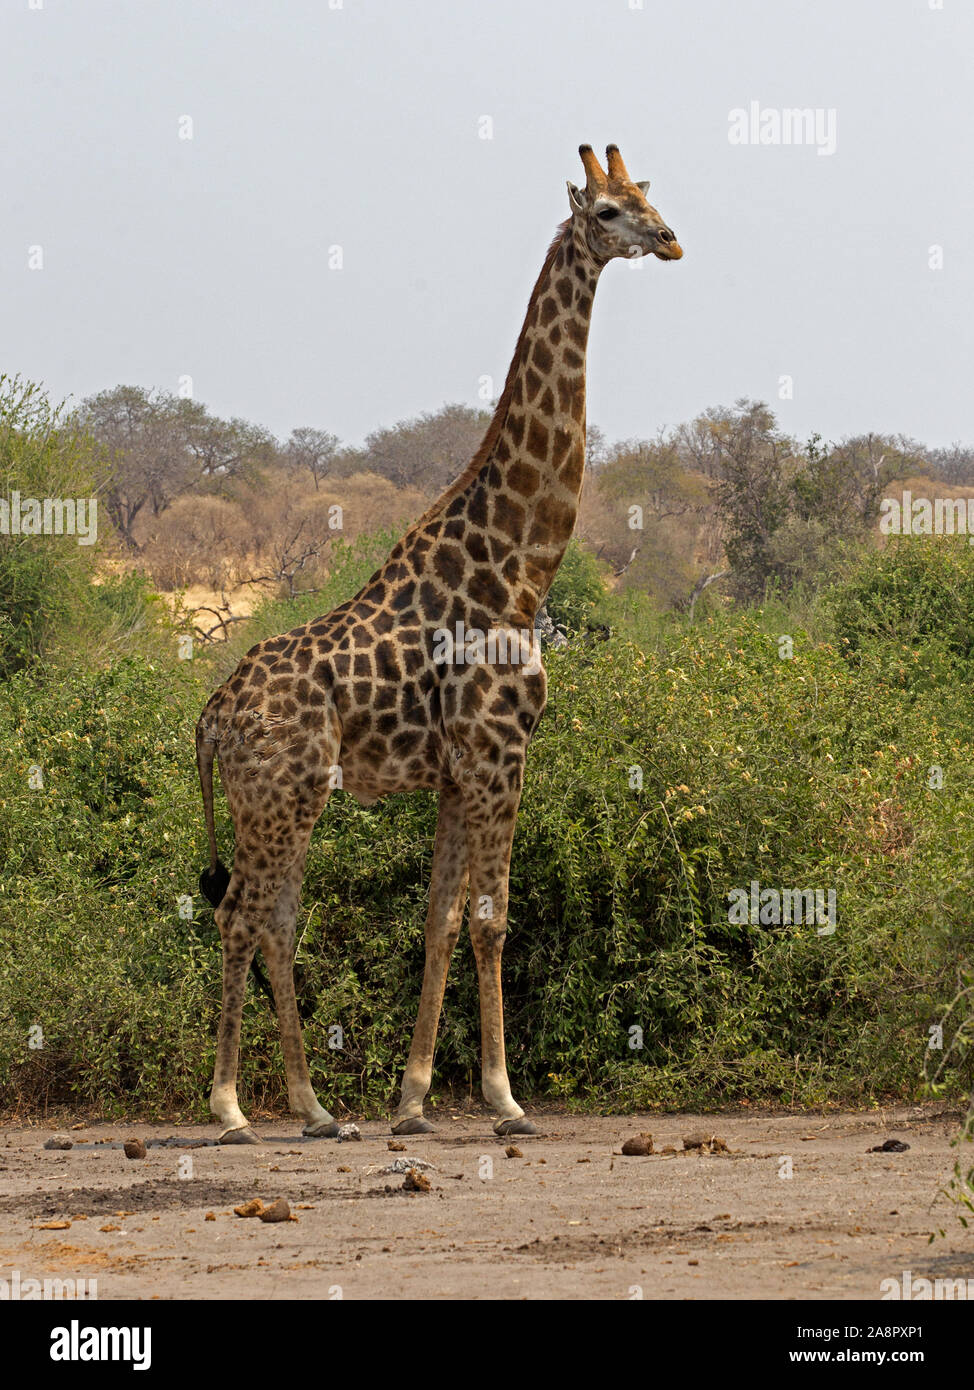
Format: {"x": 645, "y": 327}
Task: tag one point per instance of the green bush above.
{"x": 39, "y": 574}
{"x": 657, "y": 783}
{"x": 668, "y": 773}
{"x": 578, "y": 590}
{"x": 54, "y": 601}
{"x": 916, "y": 595}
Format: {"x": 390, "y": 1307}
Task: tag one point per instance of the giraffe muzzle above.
{"x": 667, "y": 247}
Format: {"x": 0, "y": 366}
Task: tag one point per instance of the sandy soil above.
{"x": 571, "y": 1218}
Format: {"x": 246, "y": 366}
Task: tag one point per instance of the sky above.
{"x": 331, "y": 212}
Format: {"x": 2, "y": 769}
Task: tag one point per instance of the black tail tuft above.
{"x": 214, "y": 883}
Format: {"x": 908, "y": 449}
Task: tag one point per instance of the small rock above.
{"x": 703, "y": 1141}
{"x": 277, "y": 1211}
{"x": 415, "y": 1182}
{"x": 210, "y": 1216}
{"x": 668, "y": 1149}
{"x": 54, "y": 1226}
{"x": 59, "y": 1141}
{"x": 349, "y": 1132}
{"x": 395, "y": 1147}
{"x": 512, "y": 1151}
{"x": 135, "y": 1148}
{"x": 639, "y": 1144}
{"x": 890, "y": 1146}
{"x": 252, "y": 1208}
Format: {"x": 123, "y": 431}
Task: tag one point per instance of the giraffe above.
{"x": 372, "y": 696}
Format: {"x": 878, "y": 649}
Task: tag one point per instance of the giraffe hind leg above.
{"x": 275, "y": 773}
{"x": 277, "y": 944}
{"x": 213, "y": 885}
{"x": 259, "y": 908}
{"x": 237, "y": 923}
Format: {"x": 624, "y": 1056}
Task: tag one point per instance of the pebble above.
{"x": 639, "y": 1144}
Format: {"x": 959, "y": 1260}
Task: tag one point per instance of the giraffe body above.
{"x": 428, "y": 678}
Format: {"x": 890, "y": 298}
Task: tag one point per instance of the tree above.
{"x": 954, "y": 464}
{"x": 315, "y": 450}
{"x": 652, "y": 475}
{"x": 161, "y": 446}
{"x": 786, "y": 511}
{"x": 652, "y": 510}
{"x": 596, "y": 447}
{"x": 427, "y": 452}
{"x": 751, "y": 465}
{"x": 843, "y": 484}
{"x": 220, "y": 450}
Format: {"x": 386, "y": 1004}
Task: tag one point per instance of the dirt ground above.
{"x": 571, "y": 1218}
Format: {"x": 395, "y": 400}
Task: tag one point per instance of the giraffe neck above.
{"x": 522, "y": 488}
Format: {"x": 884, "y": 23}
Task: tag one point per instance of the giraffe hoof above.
{"x": 321, "y": 1129}
{"x": 520, "y": 1126}
{"x": 416, "y": 1125}
{"x": 239, "y": 1136}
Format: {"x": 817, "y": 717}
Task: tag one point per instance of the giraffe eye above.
{"x": 607, "y": 214}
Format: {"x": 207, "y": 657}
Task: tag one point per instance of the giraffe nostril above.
{"x": 665, "y": 234}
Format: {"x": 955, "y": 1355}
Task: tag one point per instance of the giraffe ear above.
{"x": 643, "y": 186}
{"x": 576, "y": 198}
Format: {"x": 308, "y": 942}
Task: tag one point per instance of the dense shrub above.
{"x": 658, "y": 782}
{"x": 910, "y": 607}
{"x": 578, "y": 590}
{"x": 40, "y": 575}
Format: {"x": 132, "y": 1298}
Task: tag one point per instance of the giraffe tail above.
{"x": 215, "y": 880}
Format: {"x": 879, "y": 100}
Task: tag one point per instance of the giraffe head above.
{"x": 614, "y": 215}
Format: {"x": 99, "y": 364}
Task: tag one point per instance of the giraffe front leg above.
{"x": 490, "y": 835}
{"x": 448, "y": 893}
{"x": 488, "y": 944}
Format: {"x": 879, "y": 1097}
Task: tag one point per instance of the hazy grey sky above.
{"x": 360, "y": 126}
